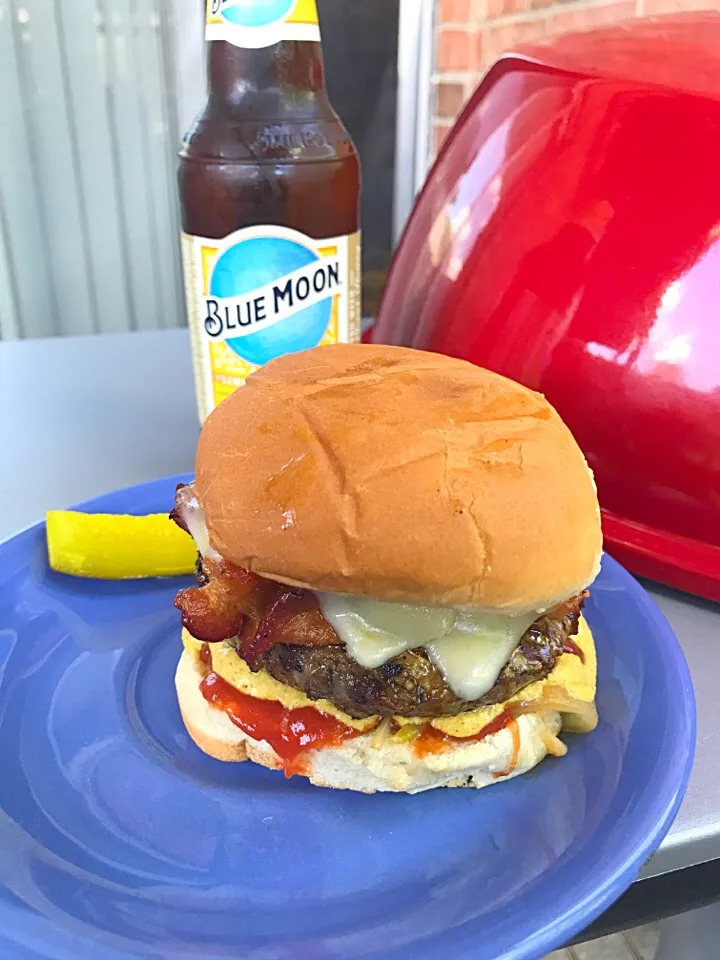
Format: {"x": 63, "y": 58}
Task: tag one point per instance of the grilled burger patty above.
{"x": 410, "y": 685}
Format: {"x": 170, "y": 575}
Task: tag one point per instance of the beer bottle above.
{"x": 269, "y": 185}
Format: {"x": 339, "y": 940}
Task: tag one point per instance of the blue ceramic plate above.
{"x": 120, "y": 839}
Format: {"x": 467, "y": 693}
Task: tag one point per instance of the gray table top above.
{"x": 82, "y": 416}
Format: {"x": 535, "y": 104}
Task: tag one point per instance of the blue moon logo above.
{"x": 253, "y": 263}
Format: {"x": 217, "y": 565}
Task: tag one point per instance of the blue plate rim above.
{"x": 625, "y": 870}
{"x": 626, "y": 873}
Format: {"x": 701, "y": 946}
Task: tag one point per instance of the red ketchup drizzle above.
{"x": 431, "y": 740}
{"x": 291, "y": 733}
{"x": 569, "y": 646}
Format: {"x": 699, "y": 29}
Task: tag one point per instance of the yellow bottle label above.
{"x": 261, "y": 292}
{"x": 260, "y": 23}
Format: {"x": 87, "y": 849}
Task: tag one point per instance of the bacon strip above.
{"x": 259, "y": 612}
{"x": 217, "y": 610}
{"x": 288, "y": 615}
{"x": 568, "y": 608}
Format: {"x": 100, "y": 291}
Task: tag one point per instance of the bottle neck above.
{"x": 290, "y": 71}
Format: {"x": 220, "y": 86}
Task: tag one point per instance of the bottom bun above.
{"x": 361, "y": 763}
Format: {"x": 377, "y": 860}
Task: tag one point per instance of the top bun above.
{"x": 402, "y": 475}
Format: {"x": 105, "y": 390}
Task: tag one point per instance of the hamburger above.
{"x": 394, "y": 548}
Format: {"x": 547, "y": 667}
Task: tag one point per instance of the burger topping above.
{"x": 217, "y": 609}
{"x": 254, "y": 612}
{"x": 569, "y": 690}
{"x": 282, "y": 629}
{"x": 430, "y": 740}
{"x": 291, "y": 733}
{"x": 187, "y": 514}
{"x": 469, "y": 648}
{"x": 294, "y": 732}
{"x": 410, "y": 685}
{"x": 569, "y": 646}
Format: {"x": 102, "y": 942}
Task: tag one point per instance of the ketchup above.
{"x": 569, "y": 646}
{"x": 430, "y": 740}
{"x": 291, "y": 733}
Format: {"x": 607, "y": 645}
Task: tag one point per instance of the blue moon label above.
{"x": 262, "y": 292}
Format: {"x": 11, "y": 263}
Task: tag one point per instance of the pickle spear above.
{"x": 116, "y": 547}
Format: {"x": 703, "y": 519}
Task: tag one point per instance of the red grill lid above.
{"x": 568, "y": 236}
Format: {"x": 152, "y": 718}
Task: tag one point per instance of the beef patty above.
{"x": 410, "y": 685}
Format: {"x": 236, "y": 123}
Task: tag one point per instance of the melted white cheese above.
{"x": 471, "y": 655}
{"x": 194, "y": 519}
{"x": 469, "y": 648}
{"x": 375, "y": 632}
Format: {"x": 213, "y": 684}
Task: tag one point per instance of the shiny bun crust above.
{"x": 361, "y": 764}
{"x": 402, "y": 475}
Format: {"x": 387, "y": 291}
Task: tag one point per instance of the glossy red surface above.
{"x": 568, "y": 236}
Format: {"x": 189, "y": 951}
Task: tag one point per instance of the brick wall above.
{"x": 473, "y": 33}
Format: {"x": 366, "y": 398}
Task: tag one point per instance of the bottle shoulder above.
{"x": 237, "y": 134}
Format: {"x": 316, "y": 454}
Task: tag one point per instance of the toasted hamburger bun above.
{"x": 400, "y": 475}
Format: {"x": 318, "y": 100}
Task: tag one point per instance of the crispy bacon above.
{"x": 217, "y": 610}
{"x": 287, "y": 615}
{"x": 258, "y": 612}
{"x": 568, "y": 608}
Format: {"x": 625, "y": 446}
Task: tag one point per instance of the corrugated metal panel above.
{"x": 160, "y": 126}
{"x": 9, "y": 309}
{"x": 27, "y": 260}
{"x": 90, "y": 92}
{"x": 89, "y": 119}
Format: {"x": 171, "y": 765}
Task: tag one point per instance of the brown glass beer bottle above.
{"x": 269, "y": 189}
